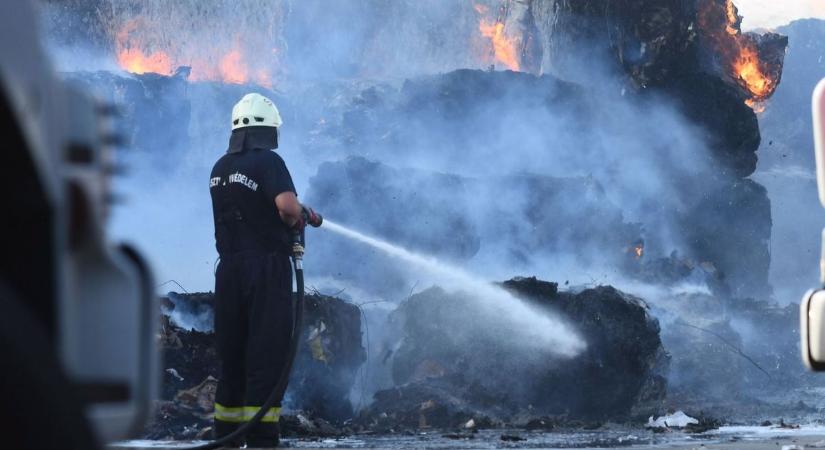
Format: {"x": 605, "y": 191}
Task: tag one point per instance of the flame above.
{"x": 232, "y": 66}
{"x": 639, "y": 250}
{"x": 739, "y": 53}
{"x": 504, "y": 48}
{"x": 746, "y": 67}
{"x": 745, "y": 64}
{"x": 133, "y": 59}
{"x": 233, "y": 69}
{"x": 732, "y": 16}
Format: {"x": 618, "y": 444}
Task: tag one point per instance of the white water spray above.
{"x": 535, "y": 327}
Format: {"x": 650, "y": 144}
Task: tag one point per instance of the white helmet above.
{"x": 255, "y": 110}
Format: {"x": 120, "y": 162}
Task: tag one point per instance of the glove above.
{"x": 311, "y": 217}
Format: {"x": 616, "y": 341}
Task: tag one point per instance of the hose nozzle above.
{"x": 312, "y": 218}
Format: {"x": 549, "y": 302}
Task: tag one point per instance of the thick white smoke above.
{"x": 531, "y": 328}
{"x": 320, "y": 58}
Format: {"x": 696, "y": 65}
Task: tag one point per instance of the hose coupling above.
{"x": 297, "y": 250}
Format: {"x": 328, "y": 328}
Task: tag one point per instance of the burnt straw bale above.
{"x": 446, "y": 373}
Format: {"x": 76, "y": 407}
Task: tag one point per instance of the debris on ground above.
{"x": 787, "y": 426}
{"x": 676, "y": 420}
{"x": 324, "y": 374}
{"x": 512, "y": 438}
{"x": 706, "y": 423}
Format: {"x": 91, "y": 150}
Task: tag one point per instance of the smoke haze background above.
{"x": 630, "y": 150}
{"x": 771, "y": 14}
{"x": 615, "y": 164}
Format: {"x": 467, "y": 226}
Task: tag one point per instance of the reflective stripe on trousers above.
{"x": 238, "y": 414}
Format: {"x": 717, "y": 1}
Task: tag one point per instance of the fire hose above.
{"x": 298, "y": 241}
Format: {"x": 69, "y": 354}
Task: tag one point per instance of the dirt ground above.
{"x": 776, "y": 443}
{"x": 746, "y": 438}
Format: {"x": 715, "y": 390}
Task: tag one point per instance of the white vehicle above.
{"x": 812, "y": 309}
{"x": 77, "y": 312}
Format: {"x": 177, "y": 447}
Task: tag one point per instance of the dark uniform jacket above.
{"x": 244, "y": 184}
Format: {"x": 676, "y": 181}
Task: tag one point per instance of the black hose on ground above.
{"x": 280, "y": 387}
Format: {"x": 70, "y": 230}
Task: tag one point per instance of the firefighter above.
{"x": 256, "y": 212}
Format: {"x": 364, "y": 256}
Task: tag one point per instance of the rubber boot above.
{"x": 265, "y": 442}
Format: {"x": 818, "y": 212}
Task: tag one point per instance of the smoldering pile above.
{"x": 448, "y": 370}
{"x": 325, "y": 370}
{"x": 443, "y": 374}
{"x": 688, "y": 230}
{"x": 702, "y": 221}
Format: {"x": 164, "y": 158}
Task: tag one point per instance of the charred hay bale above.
{"x": 728, "y": 125}
{"x": 730, "y": 227}
{"x": 544, "y": 225}
{"x": 625, "y": 364}
{"x": 434, "y": 404}
{"x": 527, "y": 217}
{"x": 725, "y": 226}
{"x": 446, "y": 357}
{"x": 461, "y": 96}
{"x": 461, "y": 117}
{"x": 390, "y": 195}
{"x": 683, "y": 50}
{"x": 649, "y": 39}
{"x": 468, "y": 116}
{"x": 445, "y": 120}
{"x": 326, "y": 368}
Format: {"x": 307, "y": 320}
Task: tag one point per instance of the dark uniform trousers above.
{"x": 253, "y": 328}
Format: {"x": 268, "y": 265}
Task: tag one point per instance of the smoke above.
{"x": 505, "y": 183}
{"x": 499, "y": 174}
{"x": 797, "y": 221}
{"x": 522, "y": 325}
{"x": 190, "y": 315}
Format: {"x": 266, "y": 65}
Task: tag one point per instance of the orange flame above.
{"x": 133, "y": 59}
{"x": 740, "y": 54}
{"x": 504, "y": 48}
{"x": 733, "y": 18}
{"x": 233, "y": 69}
{"x": 746, "y": 67}
{"x": 639, "y": 250}
{"x": 232, "y": 66}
